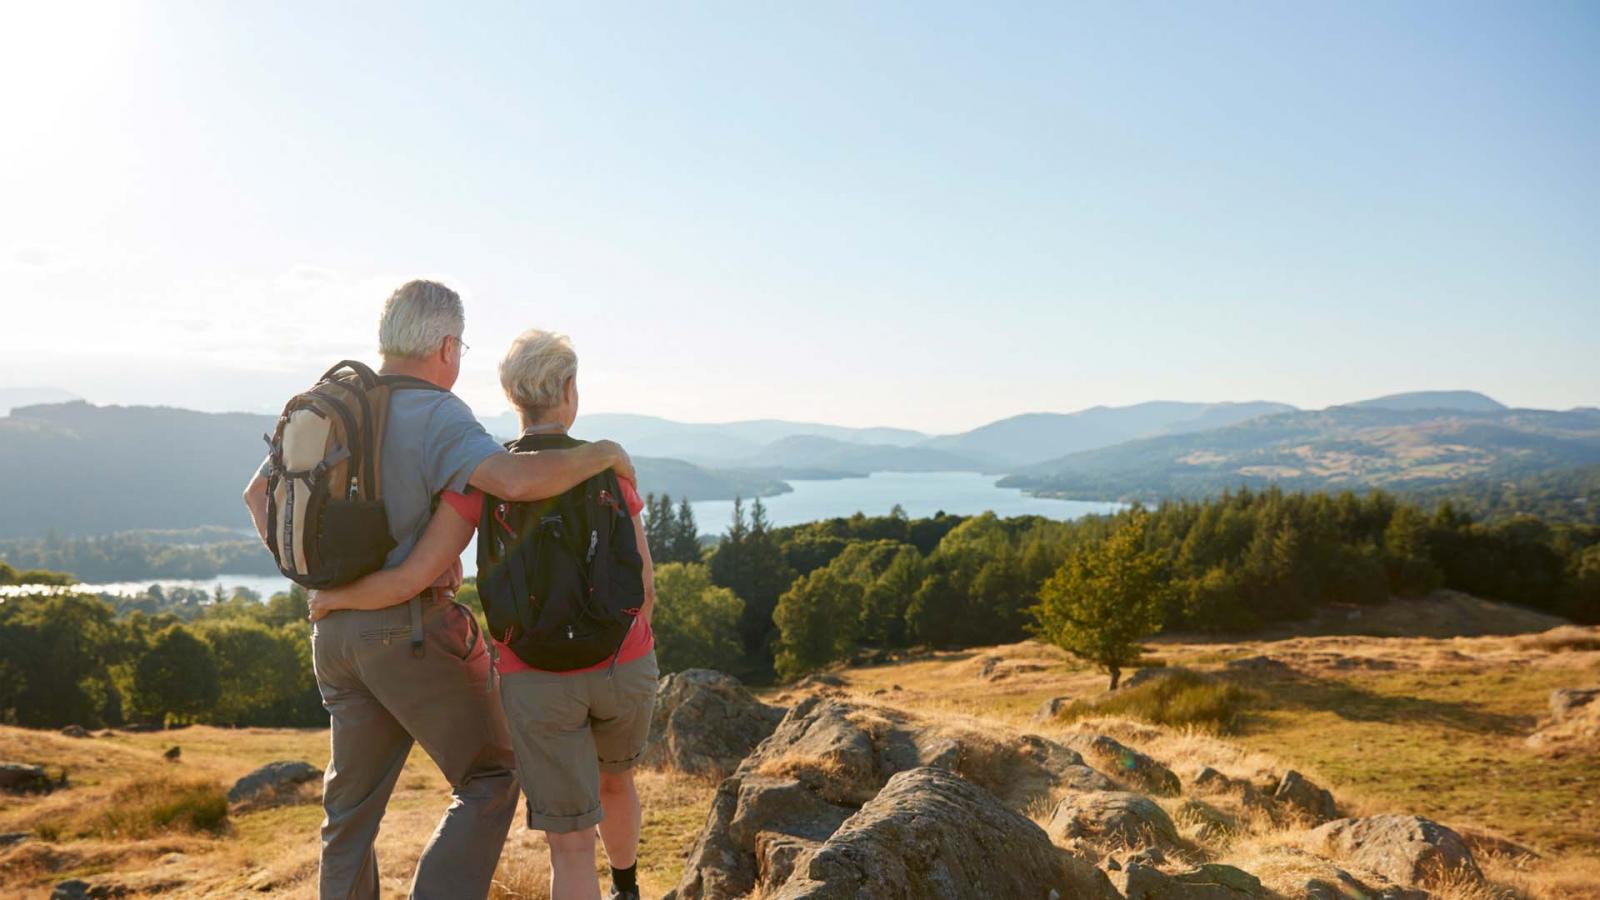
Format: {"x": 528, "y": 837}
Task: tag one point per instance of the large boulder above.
{"x": 1408, "y": 850}
{"x": 705, "y": 723}
{"x": 826, "y": 760}
{"x": 932, "y": 834}
{"x": 21, "y": 778}
{"x": 1113, "y": 819}
{"x": 1305, "y": 799}
{"x": 272, "y": 783}
{"x": 1126, "y": 764}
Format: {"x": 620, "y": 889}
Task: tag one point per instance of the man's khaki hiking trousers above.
{"x": 417, "y": 672}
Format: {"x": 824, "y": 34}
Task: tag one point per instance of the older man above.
{"x": 381, "y": 696}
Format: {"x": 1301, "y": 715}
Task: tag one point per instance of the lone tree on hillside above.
{"x": 1105, "y": 599}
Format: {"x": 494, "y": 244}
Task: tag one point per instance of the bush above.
{"x": 1180, "y": 699}
{"x": 147, "y": 808}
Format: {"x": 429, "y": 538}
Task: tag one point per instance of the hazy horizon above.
{"x": 482, "y": 413}
{"x": 923, "y": 217}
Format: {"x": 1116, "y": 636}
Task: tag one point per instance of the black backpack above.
{"x": 326, "y": 522}
{"x": 561, "y": 580}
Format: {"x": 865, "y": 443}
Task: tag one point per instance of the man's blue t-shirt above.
{"x": 431, "y": 443}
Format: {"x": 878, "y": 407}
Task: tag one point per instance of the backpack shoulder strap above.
{"x": 369, "y": 378}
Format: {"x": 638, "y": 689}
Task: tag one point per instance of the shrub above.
{"x": 1182, "y": 698}
{"x": 146, "y": 808}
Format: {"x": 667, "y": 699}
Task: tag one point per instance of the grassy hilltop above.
{"x": 1410, "y": 723}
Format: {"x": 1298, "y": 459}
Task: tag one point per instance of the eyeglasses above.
{"x": 462, "y": 344}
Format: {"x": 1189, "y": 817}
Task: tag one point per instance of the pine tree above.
{"x": 685, "y": 538}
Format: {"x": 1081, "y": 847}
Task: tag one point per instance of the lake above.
{"x": 919, "y": 493}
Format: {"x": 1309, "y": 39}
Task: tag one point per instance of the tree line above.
{"x": 772, "y": 603}
{"x": 137, "y": 555}
{"x": 843, "y": 588}
{"x": 75, "y": 658}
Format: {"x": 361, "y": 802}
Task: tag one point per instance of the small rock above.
{"x": 75, "y": 731}
{"x": 1149, "y": 673}
{"x": 1409, "y": 850}
{"x": 272, "y": 782}
{"x": 705, "y": 722}
{"x": 1128, "y": 764}
{"x": 13, "y": 837}
{"x": 1113, "y": 817}
{"x": 1306, "y": 799}
{"x": 819, "y": 680}
{"x": 1083, "y": 778}
{"x": 1565, "y": 701}
{"x": 78, "y": 889}
{"x": 1345, "y": 886}
{"x": 1209, "y": 823}
{"x": 1256, "y": 664}
{"x": 1050, "y": 710}
{"x": 1211, "y": 881}
{"x": 173, "y": 753}
{"x": 20, "y": 778}
{"x": 142, "y": 727}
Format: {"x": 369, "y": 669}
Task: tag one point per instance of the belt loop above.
{"x": 416, "y": 626}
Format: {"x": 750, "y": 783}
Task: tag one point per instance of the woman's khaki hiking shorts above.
{"x": 566, "y": 728}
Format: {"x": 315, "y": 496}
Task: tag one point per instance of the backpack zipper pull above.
{"x": 594, "y": 541}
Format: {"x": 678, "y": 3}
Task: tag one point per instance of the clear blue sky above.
{"x": 904, "y": 214}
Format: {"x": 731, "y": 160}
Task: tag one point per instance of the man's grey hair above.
{"x": 536, "y": 370}
{"x": 417, "y": 318}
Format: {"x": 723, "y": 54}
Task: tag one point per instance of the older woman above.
{"x": 576, "y": 734}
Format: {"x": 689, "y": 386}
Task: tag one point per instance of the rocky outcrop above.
{"x": 20, "y": 778}
{"x": 1408, "y": 850}
{"x": 705, "y": 723}
{"x": 75, "y": 731}
{"x": 931, "y": 834}
{"x": 1304, "y": 799}
{"x": 825, "y": 761}
{"x": 1113, "y": 819}
{"x": 272, "y": 783}
{"x": 1125, "y": 764}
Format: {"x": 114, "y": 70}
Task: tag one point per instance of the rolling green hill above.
{"x": 1343, "y": 446}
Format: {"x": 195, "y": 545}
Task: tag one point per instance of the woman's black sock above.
{"x": 626, "y": 880}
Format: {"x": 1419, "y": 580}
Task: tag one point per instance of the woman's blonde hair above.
{"x": 536, "y": 369}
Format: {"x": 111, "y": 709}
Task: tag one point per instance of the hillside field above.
{"x": 1435, "y": 726}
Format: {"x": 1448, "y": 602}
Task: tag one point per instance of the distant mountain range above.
{"x": 773, "y": 445}
{"x": 79, "y": 469}
{"x": 83, "y": 469}
{"x": 1404, "y": 442}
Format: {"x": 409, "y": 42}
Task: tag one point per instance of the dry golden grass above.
{"x": 271, "y": 852}
{"x": 1414, "y": 724}
{"x": 1410, "y": 723}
